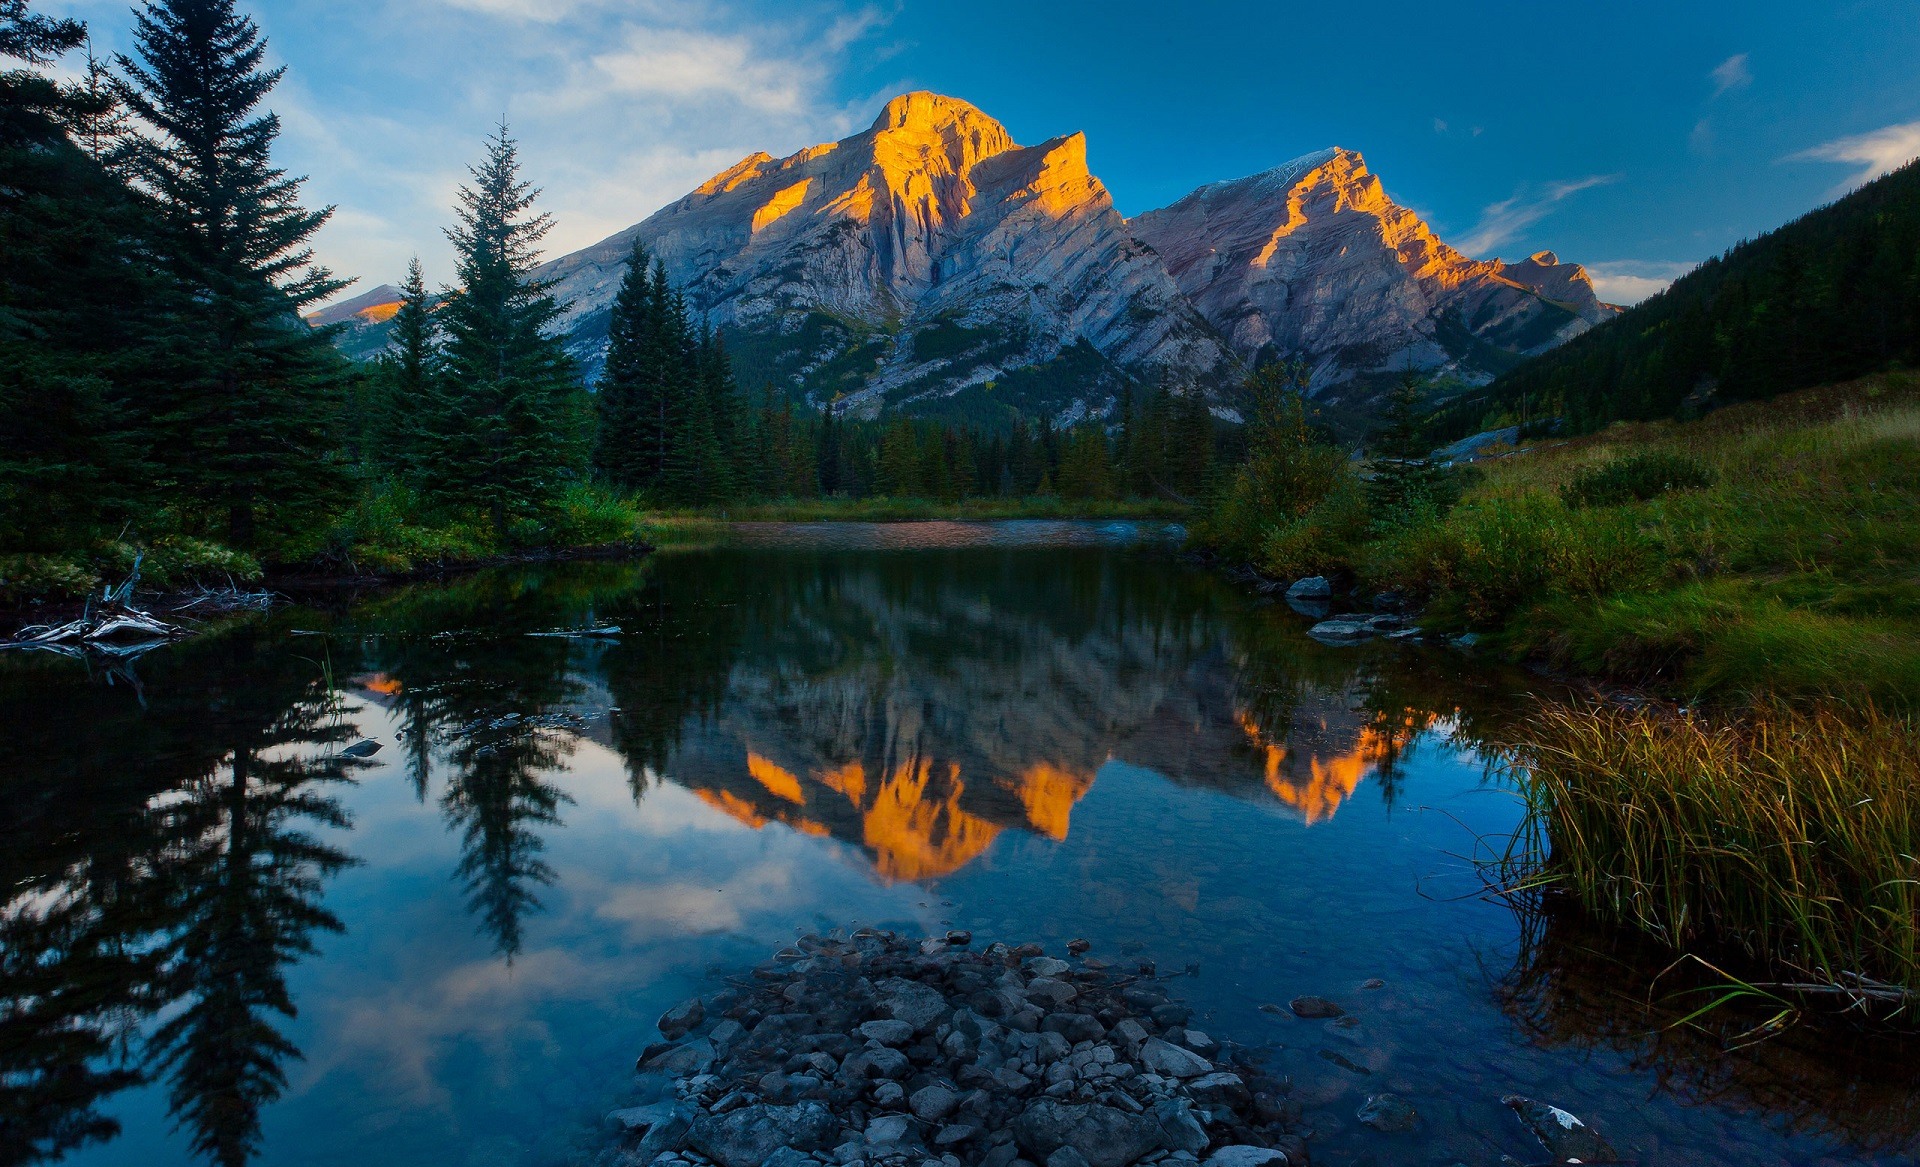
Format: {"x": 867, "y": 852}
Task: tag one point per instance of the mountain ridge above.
{"x": 932, "y": 265}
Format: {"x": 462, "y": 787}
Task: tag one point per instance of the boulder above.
{"x": 640, "y": 1118}
{"x": 1315, "y": 1008}
{"x": 932, "y": 1103}
{"x": 682, "y": 1061}
{"x": 748, "y": 1137}
{"x": 1340, "y": 630}
{"x": 1075, "y": 1027}
{"x": 1179, "y": 1129}
{"x": 668, "y": 1134}
{"x": 1169, "y": 1060}
{"x": 1106, "y": 1135}
{"x": 1219, "y": 1090}
{"x": 1313, "y": 587}
{"x": 682, "y": 1019}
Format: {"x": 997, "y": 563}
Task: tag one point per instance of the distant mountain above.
{"x": 931, "y": 265}
{"x": 364, "y": 321}
{"x": 928, "y": 263}
{"x": 1830, "y": 296}
{"x": 1312, "y": 260}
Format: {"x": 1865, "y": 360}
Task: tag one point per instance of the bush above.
{"x": 173, "y": 561}
{"x": 1319, "y": 542}
{"x": 1635, "y": 478}
{"x": 31, "y": 578}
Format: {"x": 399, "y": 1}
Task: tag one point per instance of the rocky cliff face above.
{"x": 932, "y": 265}
{"x": 925, "y": 260}
{"x": 1312, "y": 260}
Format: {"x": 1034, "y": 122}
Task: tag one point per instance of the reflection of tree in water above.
{"x": 248, "y": 880}
{"x": 496, "y": 706}
{"x": 159, "y": 858}
{"x": 1579, "y": 984}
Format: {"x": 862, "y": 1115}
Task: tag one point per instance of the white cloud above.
{"x": 1439, "y": 126}
{"x": 1631, "y": 281}
{"x": 1876, "y": 153}
{"x": 681, "y": 65}
{"x": 1503, "y": 221}
{"x": 1731, "y": 74}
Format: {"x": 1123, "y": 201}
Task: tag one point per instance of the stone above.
{"x": 1341, "y": 631}
{"x": 1054, "y": 992}
{"x": 1200, "y": 1043}
{"x": 683, "y": 1061}
{"x": 959, "y": 937}
{"x": 1171, "y": 1061}
{"x": 1241, "y": 1155}
{"x": 1047, "y": 966}
{"x": 1130, "y": 1033}
{"x": 748, "y": 1137}
{"x": 1315, "y": 1007}
{"x": 1564, "y": 1136}
{"x": 640, "y": 1118}
{"x": 1067, "y": 1157}
{"x": 1179, "y": 1129}
{"x": 1313, "y": 587}
{"x": 1389, "y": 1114}
{"x": 888, "y": 1128}
{"x": 665, "y": 1136}
{"x": 1171, "y": 1014}
{"x": 954, "y": 1134}
{"x": 888, "y": 1031}
{"x": 932, "y": 1103}
{"x": 1219, "y": 1089}
{"x": 921, "y": 1006}
{"x": 682, "y": 1019}
{"x": 1105, "y": 1135}
{"x": 1075, "y": 1027}
{"x": 726, "y": 1033}
{"x": 1076, "y": 947}
{"x": 789, "y": 1157}
{"x": 889, "y": 1094}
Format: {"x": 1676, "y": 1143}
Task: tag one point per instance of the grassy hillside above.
{"x": 1830, "y": 296}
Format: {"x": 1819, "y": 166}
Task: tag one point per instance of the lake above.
{"x": 226, "y": 940}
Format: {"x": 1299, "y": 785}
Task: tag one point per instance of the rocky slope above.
{"x": 1312, "y": 260}
{"x": 932, "y": 265}
{"x": 926, "y": 259}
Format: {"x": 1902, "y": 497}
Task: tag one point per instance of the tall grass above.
{"x": 1788, "y": 835}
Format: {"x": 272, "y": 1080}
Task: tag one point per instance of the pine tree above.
{"x": 1403, "y": 477}
{"x": 507, "y": 426}
{"x": 79, "y": 296}
{"x": 627, "y": 403}
{"x": 248, "y": 417}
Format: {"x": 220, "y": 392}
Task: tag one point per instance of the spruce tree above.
{"x": 506, "y": 430}
{"x": 79, "y": 295}
{"x": 404, "y": 381}
{"x": 247, "y": 424}
{"x": 627, "y": 405}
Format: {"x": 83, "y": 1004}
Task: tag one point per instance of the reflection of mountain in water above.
{"x": 918, "y": 707}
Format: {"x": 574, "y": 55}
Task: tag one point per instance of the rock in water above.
{"x": 1565, "y": 1137}
{"x": 678, "y": 1021}
{"x": 1389, "y": 1113}
{"x": 749, "y": 1136}
{"x": 1244, "y": 1156}
{"x": 1315, "y": 1008}
{"x": 1172, "y": 1061}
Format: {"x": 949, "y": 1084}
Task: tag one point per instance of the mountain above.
{"x": 1830, "y": 296}
{"x": 927, "y": 259}
{"x": 363, "y": 321}
{"x": 932, "y": 265}
{"x": 1312, "y": 260}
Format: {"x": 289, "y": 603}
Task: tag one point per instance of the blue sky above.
{"x": 1637, "y": 138}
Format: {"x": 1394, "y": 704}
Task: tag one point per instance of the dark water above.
{"x": 223, "y": 938}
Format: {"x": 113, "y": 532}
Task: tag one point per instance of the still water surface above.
{"x": 226, "y": 941}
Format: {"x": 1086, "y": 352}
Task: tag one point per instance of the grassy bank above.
{"x": 1783, "y": 840}
{"x": 1771, "y": 548}
{"x": 684, "y": 527}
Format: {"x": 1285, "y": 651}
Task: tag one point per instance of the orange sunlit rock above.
{"x": 379, "y": 313}
{"x": 779, "y": 781}
{"x": 1048, "y": 792}
{"x": 849, "y": 780}
{"x": 783, "y": 201}
{"x": 916, "y": 827}
{"x": 733, "y": 806}
{"x": 381, "y": 683}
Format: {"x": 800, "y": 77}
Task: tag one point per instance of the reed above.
{"x": 1787, "y": 835}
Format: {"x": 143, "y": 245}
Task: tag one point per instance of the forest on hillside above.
{"x": 1831, "y": 296}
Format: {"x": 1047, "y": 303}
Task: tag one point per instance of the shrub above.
{"x": 29, "y": 578}
{"x": 1635, "y": 478}
{"x": 1319, "y": 542}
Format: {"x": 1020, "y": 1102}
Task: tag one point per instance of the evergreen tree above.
{"x": 247, "y": 416}
{"x": 1404, "y": 479}
{"x": 1085, "y": 471}
{"x": 79, "y": 302}
{"x": 411, "y": 363}
{"x": 507, "y": 427}
{"x": 629, "y": 405}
